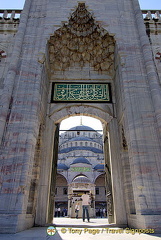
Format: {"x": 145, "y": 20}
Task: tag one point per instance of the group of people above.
{"x": 60, "y": 213}
{"x": 86, "y": 202}
{"x": 101, "y": 212}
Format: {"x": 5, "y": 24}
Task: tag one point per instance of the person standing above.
{"x": 64, "y": 212}
{"x": 104, "y": 212}
{"x": 85, "y": 204}
{"x": 101, "y": 212}
{"x": 59, "y": 211}
{"x": 77, "y": 208}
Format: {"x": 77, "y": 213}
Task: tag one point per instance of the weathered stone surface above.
{"x": 81, "y": 40}
{"x": 62, "y": 41}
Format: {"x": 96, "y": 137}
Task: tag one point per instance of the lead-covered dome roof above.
{"x": 99, "y": 167}
{"x": 92, "y": 149}
{"x": 62, "y": 166}
{"x": 81, "y": 160}
{"x": 82, "y": 128}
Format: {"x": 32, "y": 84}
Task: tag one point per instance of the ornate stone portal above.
{"x": 81, "y": 41}
{"x": 114, "y": 50}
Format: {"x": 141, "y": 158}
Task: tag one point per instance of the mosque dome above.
{"x": 82, "y": 128}
{"x": 99, "y": 167}
{"x": 81, "y": 160}
{"x": 92, "y": 149}
{"x": 62, "y": 166}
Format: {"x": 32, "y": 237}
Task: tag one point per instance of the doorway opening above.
{"x": 112, "y": 163}
{"x": 80, "y": 167}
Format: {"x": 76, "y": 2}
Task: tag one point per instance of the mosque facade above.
{"x": 80, "y": 168}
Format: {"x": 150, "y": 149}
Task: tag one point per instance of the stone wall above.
{"x": 152, "y": 22}
{"x": 9, "y": 23}
{"x": 135, "y": 108}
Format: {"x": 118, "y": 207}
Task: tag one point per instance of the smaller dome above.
{"x": 92, "y": 149}
{"x": 82, "y": 128}
{"x": 81, "y": 179}
{"x": 99, "y": 167}
{"x": 81, "y": 160}
{"x": 62, "y": 166}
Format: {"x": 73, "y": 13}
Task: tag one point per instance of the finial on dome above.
{"x": 81, "y": 121}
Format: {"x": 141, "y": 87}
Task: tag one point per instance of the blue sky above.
{"x": 18, "y": 4}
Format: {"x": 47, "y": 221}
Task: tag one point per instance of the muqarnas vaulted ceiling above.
{"x": 81, "y": 41}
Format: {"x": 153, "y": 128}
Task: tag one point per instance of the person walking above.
{"x": 77, "y": 208}
{"x": 85, "y": 204}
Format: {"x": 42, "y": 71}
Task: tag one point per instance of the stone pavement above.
{"x": 68, "y": 229}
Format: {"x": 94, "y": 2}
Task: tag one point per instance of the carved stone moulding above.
{"x": 80, "y": 41}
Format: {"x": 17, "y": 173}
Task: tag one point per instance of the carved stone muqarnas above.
{"x": 81, "y": 41}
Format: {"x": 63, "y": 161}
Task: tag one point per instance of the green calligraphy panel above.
{"x": 80, "y": 169}
{"x": 80, "y": 92}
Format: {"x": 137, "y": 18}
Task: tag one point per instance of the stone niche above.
{"x": 81, "y": 41}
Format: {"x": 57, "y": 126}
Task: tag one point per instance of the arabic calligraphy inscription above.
{"x": 81, "y": 92}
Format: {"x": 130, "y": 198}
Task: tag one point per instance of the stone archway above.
{"x": 27, "y": 116}
{"x": 111, "y": 129}
{"x": 79, "y": 49}
{"x": 100, "y": 194}
{"x": 61, "y": 193}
